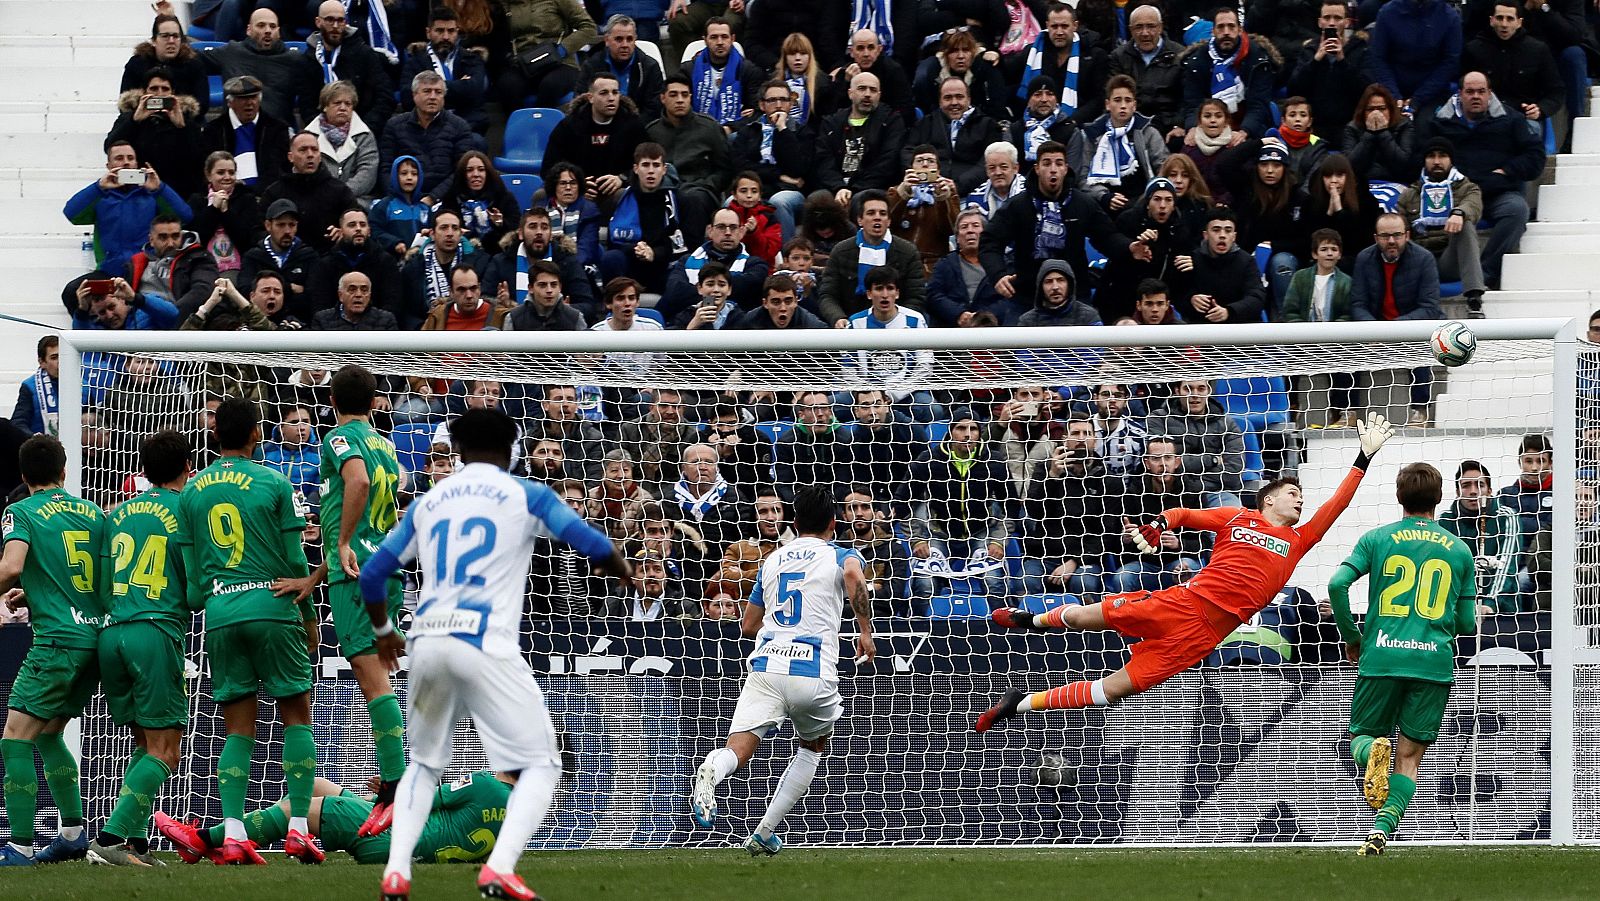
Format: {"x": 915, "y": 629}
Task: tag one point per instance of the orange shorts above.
{"x": 1176, "y": 628}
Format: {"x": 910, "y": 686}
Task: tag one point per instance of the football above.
{"x": 1453, "y": 344}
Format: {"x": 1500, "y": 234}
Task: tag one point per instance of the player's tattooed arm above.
{"x": 855, "y": 586}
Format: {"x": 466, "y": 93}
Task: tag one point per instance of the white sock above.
{"x": 412, "y": 801}
{"x": 724, "y": 762}
{"x": 24, "y": 850}
{"x": 792, "y": 786}
{"x": 1097, "y": 691}
{"x": 299, "y": 824}
{"x": 71, "y": 833}
{"x": 525, "y": 810}
{"x": 234, "y": 829}
{"x": 1026, "y": 704}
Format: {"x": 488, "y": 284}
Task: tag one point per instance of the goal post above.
{"x": 1245, "y": 749}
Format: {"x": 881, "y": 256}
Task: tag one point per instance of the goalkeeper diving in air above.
{"x": 1255, "y": 553}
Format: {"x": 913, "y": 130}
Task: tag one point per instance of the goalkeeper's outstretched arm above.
{"x": 1373, "y": 433}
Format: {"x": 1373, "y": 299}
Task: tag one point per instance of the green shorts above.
{"x": 1379, "y": 704}
{"x": 262, "y": 655}
{"x": 350, "y": 620}
{"x": 342, "y": 815}
{"x": 141, "y": 670}
{"x": 55, "y": 682}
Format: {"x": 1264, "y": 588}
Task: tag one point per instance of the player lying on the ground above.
{"x": 1421, "y": 595}
{"x": 794, "y": 612}
{"x": 51, "y": 538}
{"x": 461, "y": 827}
{"x": 1254, "y": 555}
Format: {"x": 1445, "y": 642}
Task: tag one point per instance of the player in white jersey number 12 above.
{"x": 473, "y": 535}
{"x": 794, "y": 613}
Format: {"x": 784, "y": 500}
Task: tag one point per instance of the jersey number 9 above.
{"x": 227, "y": 532}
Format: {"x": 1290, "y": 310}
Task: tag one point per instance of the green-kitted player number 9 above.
{"x": 227, "y": 532}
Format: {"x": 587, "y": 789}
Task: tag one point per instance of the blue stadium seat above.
{"x": 1044, "y": 603}
{"x": 201, "y": 33}
{"x": 1097, "y": 260}
{"x": 297, "y": 45}
{"x": 773, "y": 431}
{"x": 1263, "y": 256}
{"x": 937, "y": 431}
{"x": 652, "y": 315}
{"x": 1449, "y": 289}
{"x": 523, "y": 187}
{"x": 958, "y": 606}
{"x": 411, "y": 443}
{"x": 1257, "y": 404}
{"x": 527, "y": 134}
{"x": 1549, "y": 138}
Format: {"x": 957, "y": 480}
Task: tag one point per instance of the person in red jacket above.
{"x": 1255, "y": 553}
{"x": 763, "y": 236}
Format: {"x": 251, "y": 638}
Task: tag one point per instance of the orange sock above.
{"x": 1055, "y": 618}
{"x": 1063, "y": 697}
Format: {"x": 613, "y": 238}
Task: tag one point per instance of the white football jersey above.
{"x": 473, "y": 536}
{"x": 801, "y": 588}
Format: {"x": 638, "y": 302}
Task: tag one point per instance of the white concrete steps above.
{"x": 66, "y": 82}
{"x": 46, "y": 184}
{"x": 1586, "y": 135}
{"x": 1562, "y": 204}
{"x": 1562, "y": 244}
{"x": 57, "y": 50}
{"x": 1551, "y": 271}
{"x": 35, "y": 217}
{"x": 1537, "y": 304}
{"x": 95, "y": 19}
{"x": 59, "y": 116}
{"x": 31, "y": 149}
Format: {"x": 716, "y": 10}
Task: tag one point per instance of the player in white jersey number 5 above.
{"x": 473, "y": 535}
{"x": 794, "y": 613}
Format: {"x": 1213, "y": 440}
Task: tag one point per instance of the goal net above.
{"x": 973, "y": 470}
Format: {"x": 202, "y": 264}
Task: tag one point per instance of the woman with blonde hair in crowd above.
{"x": 797, "y": 66}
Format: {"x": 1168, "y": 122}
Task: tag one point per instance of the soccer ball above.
{"x": 1453, "y": 344}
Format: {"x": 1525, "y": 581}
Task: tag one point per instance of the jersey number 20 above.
{"x": 1433, "y": 587}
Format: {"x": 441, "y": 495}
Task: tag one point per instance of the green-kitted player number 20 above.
{"x": 1432, "y": 585}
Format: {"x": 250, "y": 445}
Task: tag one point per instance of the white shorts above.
{"x": 769, "y": 698}
{"x": 450, "y": 679}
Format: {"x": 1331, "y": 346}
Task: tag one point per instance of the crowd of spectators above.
{"x": 870, "y": 165}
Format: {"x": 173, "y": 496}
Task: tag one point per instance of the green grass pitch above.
{"x": 882, "y": 875}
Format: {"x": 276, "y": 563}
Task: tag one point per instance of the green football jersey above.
{"x": 1421, "y": 594}
{"x": 357, "y": 439}
{"x": 143, "y": 559}
{"x": 62, "y": 532}
{"x": 465, "y": 820}
{"x": 242, "y": 523}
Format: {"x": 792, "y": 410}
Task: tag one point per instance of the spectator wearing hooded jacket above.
{"x": 124, "y": 309}
{"x": 1233, "y": 67}
{"x": 168, "y": 48}
{"x": 284, "y": 74}
{"x": 1501, "y": 151}
{"x": 598, "y": 135}
{"x": 1442, "y": 207}
{"x": 960, "y": 287}
{"x": 1055, "y": 299}
{"x": 463, "y": 69}
{"x": 428, "y": 132}
{"x": 398, "y": 218}
{"x": 166, "y": 139}
{"x": 1221, "y": 281}
{"x": 1210, "y": 444}
{"x": 1416, "y": 52}
{"x": 173, "y": 265}
{"x": 1050, "y": 221}
{"x": 294, "y": 449}
{"x": 121, "y": 214}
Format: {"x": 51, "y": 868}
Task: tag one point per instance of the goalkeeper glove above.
{"x": 1147, "y": 538}
{"x": 1372, "y": 434}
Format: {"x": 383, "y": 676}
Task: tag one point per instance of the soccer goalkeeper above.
{"x": 1422, "y": 594}
{"x": 461, "y": 828}
{"x": 1254, "y": 555}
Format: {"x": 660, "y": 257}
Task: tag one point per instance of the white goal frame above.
{"x": 1567, "y": 650}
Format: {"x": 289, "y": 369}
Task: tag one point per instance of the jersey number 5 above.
{"x": 1432, "y": 589}
{"x": 787, "y": 612}
{"x": 79, "y": 559}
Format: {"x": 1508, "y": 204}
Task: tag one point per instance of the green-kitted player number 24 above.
{"x": 149, "y": 570}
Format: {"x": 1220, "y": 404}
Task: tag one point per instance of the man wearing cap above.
{"x": 320, "y": 197}
{"x": 282, "y": 74}
{"x": 259, "y": 143}
{"x": 282, "y": 252}
{"x": 1042, "y": 120}
{"x": 1442, "y": 208}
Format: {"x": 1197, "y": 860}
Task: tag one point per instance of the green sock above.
{"x": 1361, "y": 748}
{"x": 1401, "y": 789}
{"x": 131, "y": 817}
{"x": 299, "y": 768}
{"x": 143, "y": 829}
{"x": 21, "y": 788}
{"x": 264, "y": 827}
{"x": 388, "y": 736}
{"x": 61, "y": 774}
{"x": 233, "y": 775}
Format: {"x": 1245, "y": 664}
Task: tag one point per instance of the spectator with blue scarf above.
{"x": 842, "y": 291}
{"x": 38, "y": 400}
{"x": 725, "y": 84}
{"x": 686, "y": 22}
{"x": 639, "y": 76}
{"x": 510, "y": 274}
{"x": 1233, "y": 67}
{"x": 340, "y": 52}
{"x": 645, "y": 234}
{"x": 283, "y": 252}
{"x": 723, "y": 246}
{"x": 1042, "y": 120}
{"x": 465, "y": 74}
{"x": 1073, "y": 61}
